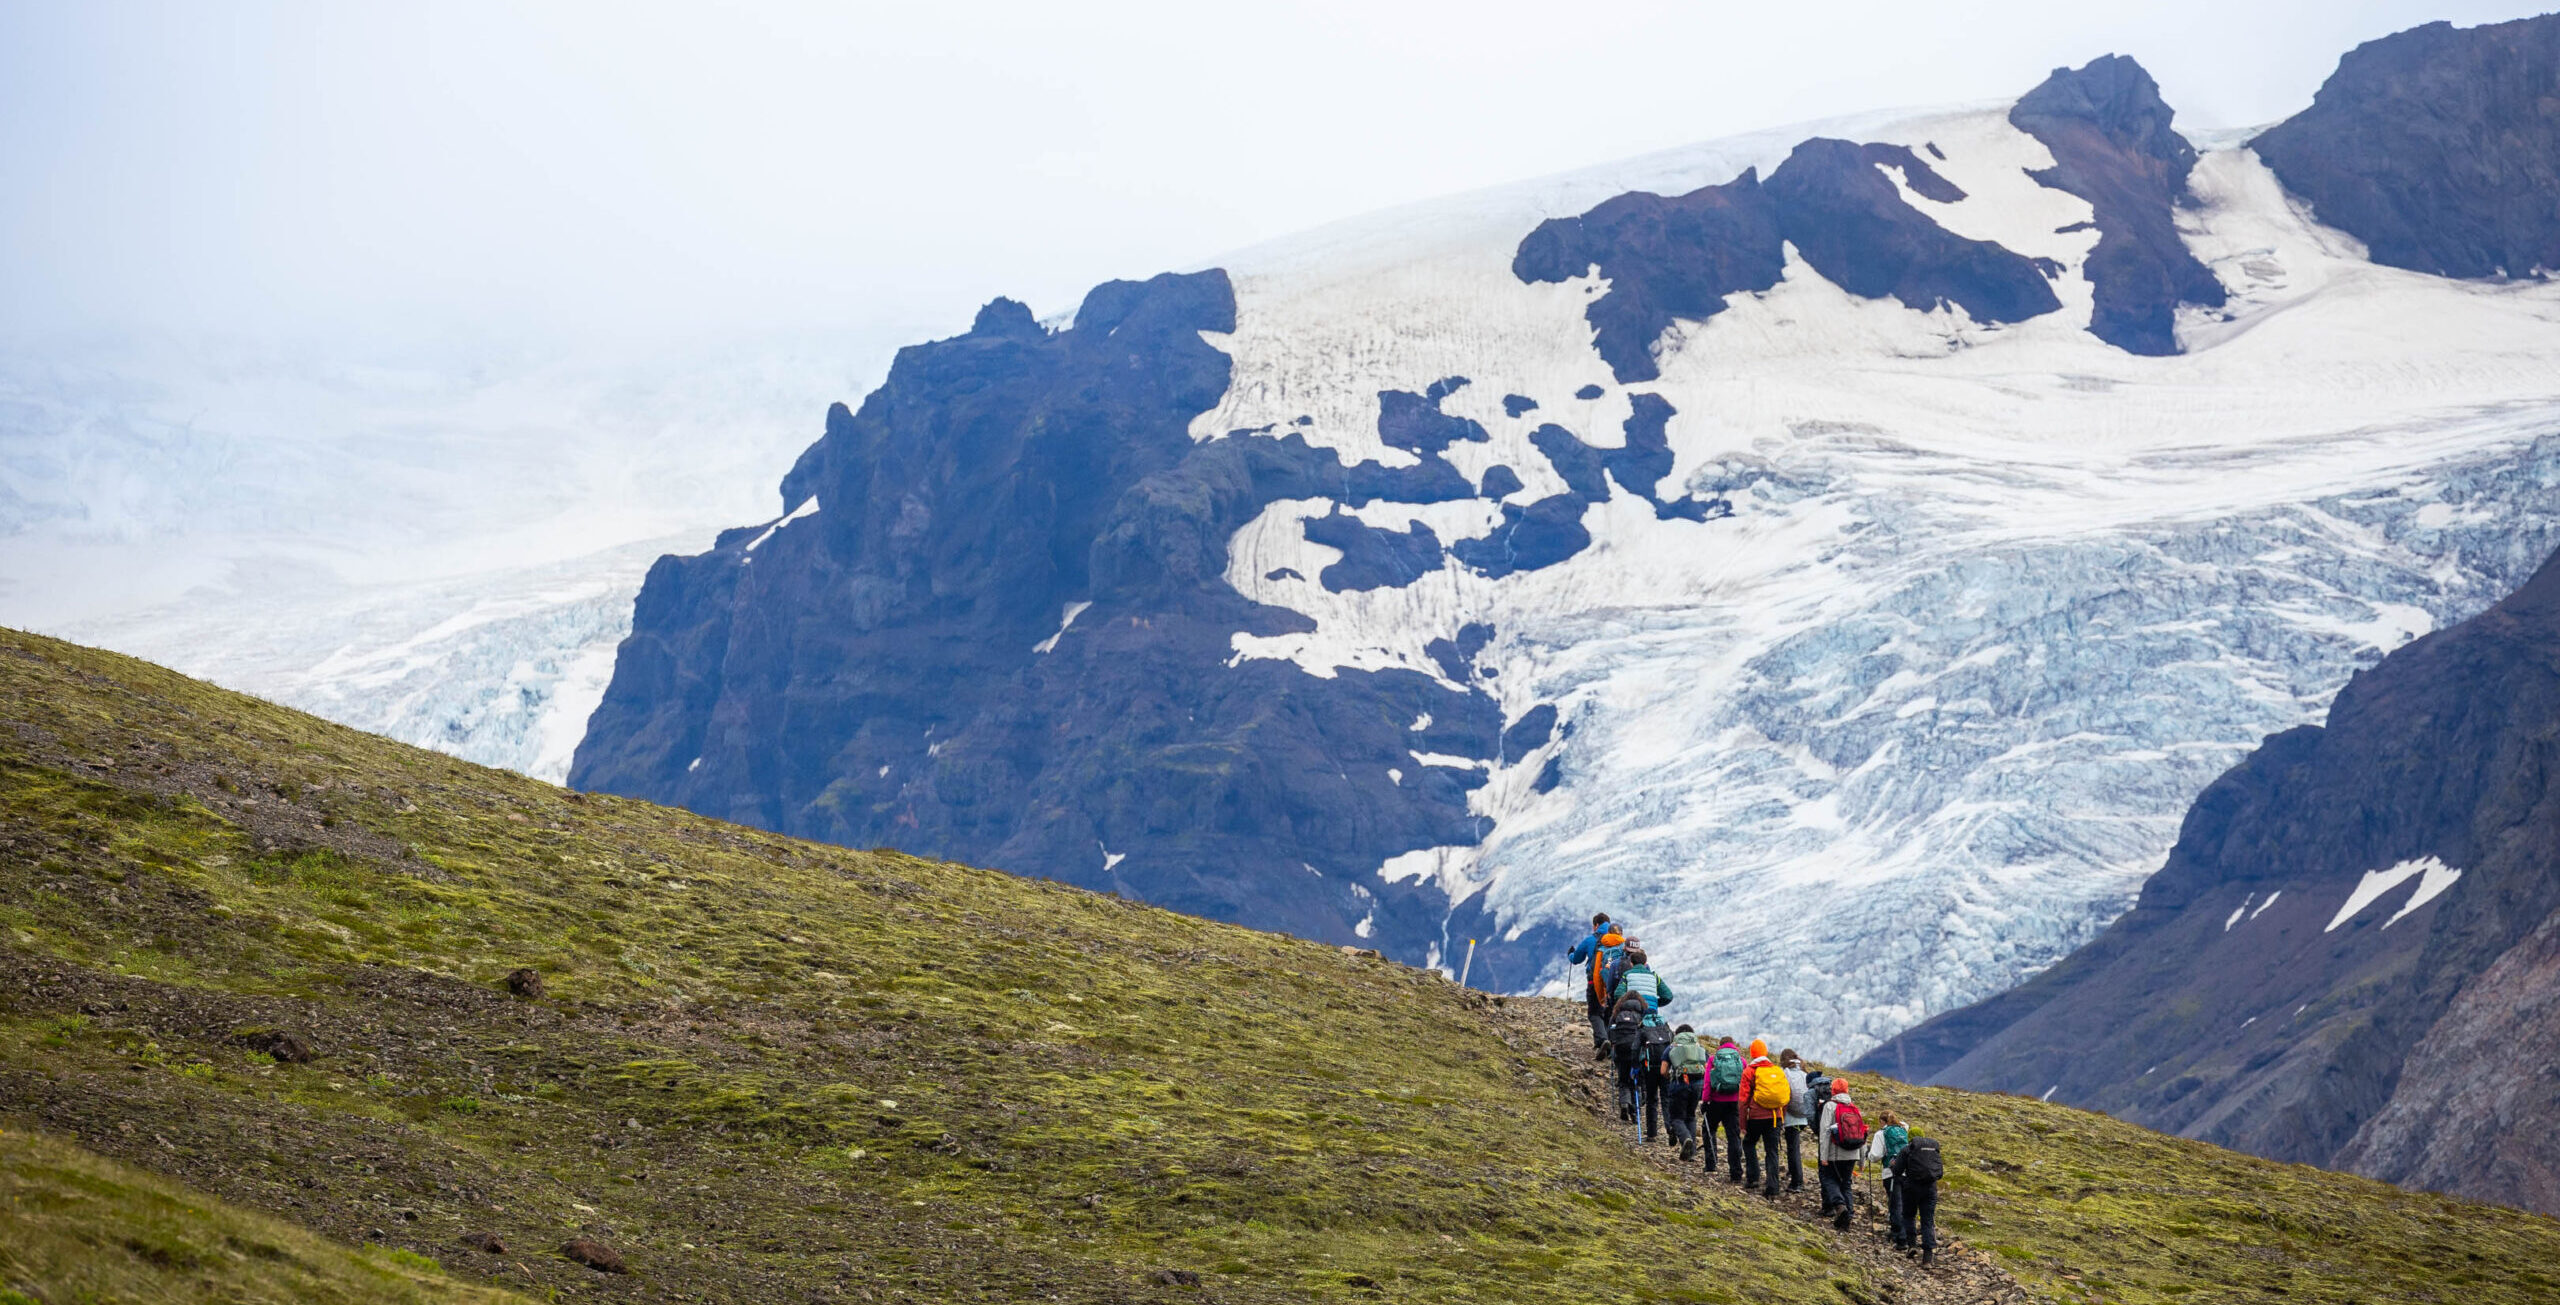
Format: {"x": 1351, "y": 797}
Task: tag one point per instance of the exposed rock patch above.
{"x": 2438, "y": 147}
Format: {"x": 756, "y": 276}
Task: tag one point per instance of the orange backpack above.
{"x": 1612, "y": 946}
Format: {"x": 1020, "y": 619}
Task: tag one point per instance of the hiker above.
{"x": 1686, "y": 1072}
{"x": 1594, "y": 1006}
{"x": 1916, "y": 1171}
{"x": 1895, "y": 1137}
{"x": 1840, "y": 1135}
{"x": 1653, "y": 1076}
{"x": 1723, "y": 1107}
{"x": 1637, "y": 982}
{"x": 1627, "y": 1018}
{"x": 1801, "y": 1113}
{"x": 1764, "y": 1103}
{"x": 1640, "y": 979}
{"x": 1600, "y": 957}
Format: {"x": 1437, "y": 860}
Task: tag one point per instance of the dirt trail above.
{"x": 1960, "y": 1275}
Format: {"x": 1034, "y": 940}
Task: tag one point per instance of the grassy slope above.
{"x": 769, "y": 1070}
{"x": 2088, "y": 1207}
{"x": 763, "y": 1069}
{"x": 77, "y": 1228}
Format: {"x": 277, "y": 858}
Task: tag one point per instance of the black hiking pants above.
{"x": 1759, "y": 1148}
{"x": 1680, "y": 1105}
{"x": 1599, "y": 1014}
{"x": 1915, "y": 1214}
{"x": 1838, "y": 1194}
{"x": 1795, "y": 1156}
{"x": 1625, "y": 1064}
{"x": 1726, "y": 1115}
{"x": 1649, "y": 1083}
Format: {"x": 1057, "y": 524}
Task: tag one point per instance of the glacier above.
{"x": 1994, "y": 603}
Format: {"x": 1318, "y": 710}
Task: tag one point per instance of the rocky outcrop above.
{"x": 2438, "y": 147}
{"x": 1852, "y": 225}
{"x": 2112, "y": 145}
{"x": 2346, "y": 959}
{"x": 1683, "y": 256}
{"x": 993, "y": 625}
{"x": 1665, "y": 258}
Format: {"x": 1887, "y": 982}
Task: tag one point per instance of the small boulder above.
{"x": 526, "y": 983}
{"x": 1177, "y": 1278}
{"x": 485, "y": 1242}
{"x": 280, "y": 1046}
{"x": 593, "y": 1254}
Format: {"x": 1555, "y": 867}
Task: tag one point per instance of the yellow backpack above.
{"x": 1769, "y": 1087}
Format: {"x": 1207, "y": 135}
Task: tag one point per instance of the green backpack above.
{"x": 1688, "y": 1058}
{"x": 1728, "y": 1075}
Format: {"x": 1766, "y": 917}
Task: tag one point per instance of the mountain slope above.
{"x": 760, "y": 1069}
{"x": 75, "y": 1227}
{"x": 2346, "y": 958}
{"x": 1915, "y": 510}
{"x": 764, "y": 1069}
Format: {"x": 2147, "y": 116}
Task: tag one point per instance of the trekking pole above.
{"x": 1470, "y": 965}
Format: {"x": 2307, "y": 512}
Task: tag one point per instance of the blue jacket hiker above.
{"x": 1590, "y": 958}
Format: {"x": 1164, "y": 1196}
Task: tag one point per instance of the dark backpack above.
{"x": 1726, "y": 1076}
{"x": 1817, "y": 1091}
{"x": 1626, "y": 1027}
{"x": 1848, "y": 1127}
{"x": 1655, "y": 1041}
{"x": 1920, "y": 1162}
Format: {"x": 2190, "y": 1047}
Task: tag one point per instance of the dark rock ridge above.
{"x": 1373, "y": 558}
{"x": 2438, "y": 147}
{"x": 1681, "y": 257}
{"x": 2109, "y": 133}
{"x": 2242, "y": 1002}
{"x": 1004, "y": 636}
{"x": 1666, "y": 258}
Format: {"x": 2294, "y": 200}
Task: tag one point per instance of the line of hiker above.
{"x": 1670, "y": 1082}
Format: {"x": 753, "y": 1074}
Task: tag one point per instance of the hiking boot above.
{"x": 1688, "y": 1150}
{"x": 1926, "y": 1256}
{"x": 1842, "y": 1221}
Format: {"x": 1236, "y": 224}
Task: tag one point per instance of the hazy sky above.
{"x": 449, "y": 170}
